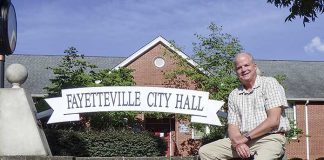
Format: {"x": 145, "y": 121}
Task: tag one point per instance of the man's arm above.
{"x": 234, "y": 134}
{"x": 276, "y": 98}
{"x": 272, "y": 122}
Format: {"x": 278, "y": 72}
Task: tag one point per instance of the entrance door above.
{"x": 162, "y": 128}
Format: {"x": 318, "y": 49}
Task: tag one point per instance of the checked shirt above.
{"x": 248, "y": 109}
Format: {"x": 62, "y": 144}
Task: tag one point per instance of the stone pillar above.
{"x": 19, "y": 132}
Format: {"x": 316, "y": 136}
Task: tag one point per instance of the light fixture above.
{"x": 8, "y": 27}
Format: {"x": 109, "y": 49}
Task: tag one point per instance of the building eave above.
{"x": 306, "y": 99}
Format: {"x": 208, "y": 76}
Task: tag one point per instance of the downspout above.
{"x": 170, "y": 138}
{"x": 306, "y": 126}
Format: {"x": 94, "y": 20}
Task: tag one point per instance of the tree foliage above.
{"x": 294, "y": 131}
{"x": 74, "y": 71}
{"x": 214, "y": 56}
{"x": 214, "y": 72}
{"x": 306, "y": 9}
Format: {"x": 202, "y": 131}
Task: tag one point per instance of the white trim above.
{"x": 295, "y": 118}
{"x": 150, "y": 45}
{"x": 192, "y": 133}
{"x": 295, "y": 115}
{"x": 305, "y": 99}
{"x": 306, "y": 127}
{"x": 207, "y": 130}
{"x": 39, "y": 95}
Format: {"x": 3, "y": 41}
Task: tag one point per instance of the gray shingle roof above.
{"x": 304, "y": 78}
{"x": 38, "y": 75}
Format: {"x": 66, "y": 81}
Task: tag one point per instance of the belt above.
{"x": 281, "y": 133}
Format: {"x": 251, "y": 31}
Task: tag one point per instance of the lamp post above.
{"x": 8, "y": 34}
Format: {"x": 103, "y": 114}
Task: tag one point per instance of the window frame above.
{"x": 292, "y": 105}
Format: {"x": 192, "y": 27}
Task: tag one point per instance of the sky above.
{"x": 118, "y": 28}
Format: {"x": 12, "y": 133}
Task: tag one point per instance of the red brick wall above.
{"x": 297, "y": 148}
{"x": 185, "y": 144}
{"x": 147, "y": 74}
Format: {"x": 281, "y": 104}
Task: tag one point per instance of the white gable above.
{"x": 151, "y": 44}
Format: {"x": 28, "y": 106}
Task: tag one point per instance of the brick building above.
{"x": 304, "y": 90}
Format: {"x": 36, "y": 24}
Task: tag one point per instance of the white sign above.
{"x": 133, "y": 98}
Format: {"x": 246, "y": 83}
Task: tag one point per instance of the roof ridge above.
{"x": 287, "y": 60}
{"x": 52, "y": 55}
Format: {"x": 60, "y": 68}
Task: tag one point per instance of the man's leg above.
{"x": 220, "y": 149}
{"x": 268, "y": 147}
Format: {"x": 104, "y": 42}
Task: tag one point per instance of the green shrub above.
{"x": 66, "y": 143}
{"x": 105, "y": 143}
{"x": 216, "y": 133}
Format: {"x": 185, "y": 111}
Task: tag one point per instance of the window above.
{"x": 291, "y": 112}
{"x": 159, "y": 62}
{"x": 291, "y": 115}
{"x": 198, "y": 134}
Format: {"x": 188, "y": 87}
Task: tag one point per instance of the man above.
{"x": 256, "y": 120}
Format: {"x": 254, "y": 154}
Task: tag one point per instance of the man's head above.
{"x": 245, "y": 68}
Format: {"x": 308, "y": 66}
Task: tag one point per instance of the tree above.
{"x": 74, "y": 71}
{"x": 306, "y": 9}
{"x": 214, "y": 55}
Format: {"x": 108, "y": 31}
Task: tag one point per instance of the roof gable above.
{"x": 151, "y": 44}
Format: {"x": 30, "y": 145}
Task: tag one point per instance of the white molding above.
{"x": 39, "y": 95}
{"x": 305, "y": 99}
{"x": 157, "y": 40}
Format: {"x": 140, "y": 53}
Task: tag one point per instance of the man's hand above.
{"x": 239, "y": 140}
{"x": 243, "y": 150}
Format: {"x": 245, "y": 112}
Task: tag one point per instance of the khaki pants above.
{"x": 270, "y": 147}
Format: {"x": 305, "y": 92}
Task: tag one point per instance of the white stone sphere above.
{"x": 16, "y": 74}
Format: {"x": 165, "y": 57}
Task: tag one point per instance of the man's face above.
{"x": 245, "y": 68}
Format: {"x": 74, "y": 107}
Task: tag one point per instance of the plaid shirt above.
{"x": 248, "y": 109}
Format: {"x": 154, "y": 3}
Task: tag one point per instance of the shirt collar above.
{"x": 256, "y": 85}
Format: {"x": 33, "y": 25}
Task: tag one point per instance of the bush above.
{"x": 216, "y": 133}
{"x": 66, "y": 143}
{"x": 105, "y": 143}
